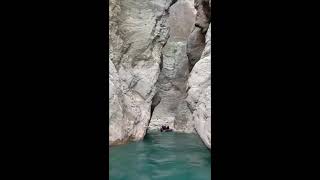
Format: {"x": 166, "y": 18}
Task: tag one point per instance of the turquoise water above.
{"x": 161, "y": 156}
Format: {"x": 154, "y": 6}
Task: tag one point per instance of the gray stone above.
{"x": 199, "y": 82}
{"x": 151, "y": 53}
{"x": 172, "y": 109}
{"x": 138, "y": 30}
{"x": 196, "y": 40}
{"x": 199, "y": 93}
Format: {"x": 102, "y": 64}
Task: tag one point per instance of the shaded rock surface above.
{"x": 153, "y": 46}
{"x": 138, "y": 30}
{"x": 196, "y": 40}
{"x": 199, "y": 82}
{"x": 171, "y": 109}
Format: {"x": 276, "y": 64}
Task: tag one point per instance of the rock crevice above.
{"x": 138, "y": 30}
{"x": 172, "y": 109}
{"x": 199, "y": 82}
{"x": 159, "y": 68}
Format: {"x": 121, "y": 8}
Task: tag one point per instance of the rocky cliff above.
{"x": 159, "y": 68}
{"x": 138, "y": 30}
{"x": 199, "y": 82}
{"x": 171, "y": 107}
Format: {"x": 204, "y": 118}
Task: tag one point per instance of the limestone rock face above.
{"x": 159, "y": 68}
{"x": 138, "y": 30}
{"x": 196, "y": 40}
{"x": 199, "y": 94}
{"x": 172, "y": 109}
{"x": 199, "y": 82}
{"x": 170, "y": 105}
{"x": 181, "y": 19}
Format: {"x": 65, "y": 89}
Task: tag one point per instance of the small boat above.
{"x": 165, "y": 129}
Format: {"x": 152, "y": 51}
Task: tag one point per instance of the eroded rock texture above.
{"x": 138, "y": 30}
{"x": 153, "y": 46}
{"x": 170, "y": 105}
{"x": 196, "y": 41}
{"x": 199, "y": 82}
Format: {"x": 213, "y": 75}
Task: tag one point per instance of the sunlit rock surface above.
{"x": 171, "y": 109}
{"x": 138, "y": 30}
{"x": 159, "y": 68}
{"x": 199, "y": 82}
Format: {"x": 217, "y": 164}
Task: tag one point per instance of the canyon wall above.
{"x": 138, "y": 30}
{"x": 170, "y": 105}
{"x": 199, "y": 82}
{"x": 159, "y": 68}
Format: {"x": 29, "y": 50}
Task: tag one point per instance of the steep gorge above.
{"x": 199, "y": 82}
{"x": 153, "y": 45}
{"x": 172, "y": 109}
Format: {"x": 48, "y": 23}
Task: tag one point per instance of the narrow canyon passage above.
{"x": 171, "y": 109}
{"x": 160, "y": 75}
{"x": 159, "y": 68}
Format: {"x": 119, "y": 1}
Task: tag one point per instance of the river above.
{"x": 161, "y": 156}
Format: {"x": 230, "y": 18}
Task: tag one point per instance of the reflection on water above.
{"x": 164, "y": 156}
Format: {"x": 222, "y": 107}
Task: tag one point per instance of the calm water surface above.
{"x": 165, "y": 156}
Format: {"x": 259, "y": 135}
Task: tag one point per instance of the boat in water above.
{"x": 165, "y": 129}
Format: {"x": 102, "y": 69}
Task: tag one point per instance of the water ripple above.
{"x": 161, "y": 156}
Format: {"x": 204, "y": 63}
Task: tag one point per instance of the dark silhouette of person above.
{"x": 165, "y": 128}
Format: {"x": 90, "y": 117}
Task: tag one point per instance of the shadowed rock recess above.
{"x": 153, "y": 45}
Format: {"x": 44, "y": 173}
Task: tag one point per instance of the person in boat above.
{"x": 168, "y": 129}
{"x": 163, "y": 128}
